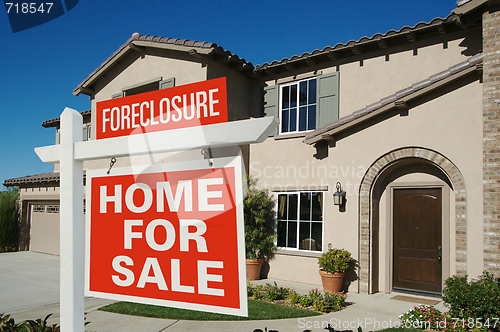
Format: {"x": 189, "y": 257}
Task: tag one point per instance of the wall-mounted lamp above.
{"x": 339, "y": 196}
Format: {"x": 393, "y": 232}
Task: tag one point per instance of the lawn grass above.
{"x": 257, "y": 310}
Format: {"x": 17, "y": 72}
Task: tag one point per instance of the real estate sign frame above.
{"x": 149, "y": 274}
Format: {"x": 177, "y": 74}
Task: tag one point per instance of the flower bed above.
{"x": 474, "y": 307}
{"x": 314, "y": 300}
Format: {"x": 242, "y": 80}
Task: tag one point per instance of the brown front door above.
{"x": 417, "y": 239}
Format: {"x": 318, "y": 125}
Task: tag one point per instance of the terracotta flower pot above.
{"x": 253, "y": 268}
{"x": 331, "y": 282}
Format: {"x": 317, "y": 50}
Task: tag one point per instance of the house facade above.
{"x": 403, "y": 124}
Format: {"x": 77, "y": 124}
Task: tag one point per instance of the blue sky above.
{"x": 40, "y": 67}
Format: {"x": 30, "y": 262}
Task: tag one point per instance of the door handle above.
{"x": 439, "y": 256}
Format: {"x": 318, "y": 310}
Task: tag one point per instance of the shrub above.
{"x": 328, "y": 302}
{"x": 8, "y": 219}
{"x": 478, "y": 299}
{"x": 335, "y": 300}
{"x": 8, "y": 324}
{"x": 250, "y": 289}
{"x": 258, "y": 211}
{"x": 274, "y": 293}
{"x": 322, "y": 302}
{"x": 305, "y": 300}
{"x": 335, "y": 260}
{"x": 40, "y": 325}
{"x": 294, "y": 297}
{"x": 258, "y": 294}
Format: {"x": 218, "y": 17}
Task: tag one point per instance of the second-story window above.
{"x": 298, "y": 106}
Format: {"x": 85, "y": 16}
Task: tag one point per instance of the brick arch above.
{"x": 365, "y": 206}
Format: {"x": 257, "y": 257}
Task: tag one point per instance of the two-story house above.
{"x": 402, "y": 125}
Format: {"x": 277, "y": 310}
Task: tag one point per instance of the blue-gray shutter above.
{"x": 271, "y": 103}
{"x": 168, "y": 83}
{"x": 85, "y": 133}
{"x": 118, "y": 95}
{"x": 327, "y": 99}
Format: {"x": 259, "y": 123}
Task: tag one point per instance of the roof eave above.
{"x": 373, "y": 110}
{"x": 363, "y": 45}
{"x": 139, "y": 43}
{"x": 84, "y": 87}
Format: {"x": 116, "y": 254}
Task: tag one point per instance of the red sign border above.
{"x": 236, "y": 163}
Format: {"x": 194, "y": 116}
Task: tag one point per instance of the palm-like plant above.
{"x": 258, "y": 208}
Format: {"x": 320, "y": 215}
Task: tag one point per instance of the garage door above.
{"x": 44, "y": 235}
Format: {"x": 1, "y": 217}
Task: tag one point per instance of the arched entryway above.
{"x": 376, "y": 180}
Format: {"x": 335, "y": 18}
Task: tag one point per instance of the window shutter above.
{"x": 85, "y": 133}
{"x": 168, "y": 83}
{"x": 328, "y": 99}
{"x": 271, "y": 103}
{"x": 58, "y": 136}
{"x": 118, "y": 95}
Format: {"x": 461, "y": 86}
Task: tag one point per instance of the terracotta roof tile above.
{"x": 54, "y": 122}
{"x": 189, "y": 44}
{"x": 44, "y": 177}
{"x": 362, "y": 40}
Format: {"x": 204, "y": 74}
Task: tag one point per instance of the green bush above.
{"x": 294, "y": 297}
{"x": 275, "y": 293}
{"x": 478, "y": 299}
{"x": 305, "y": 300}
{"x": 8, "y": 219}
{"x": 335, "y": 260}
{"x": 258, "y": 210}
{"x": 8, "y": 324}
{"x": 322, "y": 302}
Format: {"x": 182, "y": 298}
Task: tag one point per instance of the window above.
{"x": 303, "y": 105}
{"x": 299, "y": 223}
{"x": 298, "y": 106}
{"x": 52, "y": 208}
{"x": 151, "y": 85}
{"x": 86, "y": 132}
{"x": 39, "y": 208}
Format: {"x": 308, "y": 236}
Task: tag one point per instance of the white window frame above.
{"x": 280, "y": 105}
{"x": 297, "y": 248}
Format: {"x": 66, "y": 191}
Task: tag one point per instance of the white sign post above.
{"x": 71, "y": 225}
{"x": 72, "y": 152}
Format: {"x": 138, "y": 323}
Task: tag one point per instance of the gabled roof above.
{"x": 33, "y": 179}
{"x": 138, "y": 43}
{"x": 55, "y": 122}
{"x": 463, "y": 16}
{"x": 396, "y": 100}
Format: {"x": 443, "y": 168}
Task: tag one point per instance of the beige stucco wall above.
{"x": 450, "y": 122}
{"x": 374, "y": 78}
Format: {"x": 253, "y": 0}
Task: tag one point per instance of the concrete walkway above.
{"x": 29, "y": 289}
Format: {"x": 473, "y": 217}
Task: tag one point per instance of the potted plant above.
{"x": 334, "y": 264}
{"x": 259, "y": 228}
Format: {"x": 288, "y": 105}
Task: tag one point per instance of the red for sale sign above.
{"x": 171, "y": 235}
{"x": 190, "y": 105}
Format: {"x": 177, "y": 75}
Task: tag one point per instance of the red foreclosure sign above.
{"x": 171, "y": 235}
{"x": 190, "y": 105}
